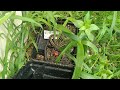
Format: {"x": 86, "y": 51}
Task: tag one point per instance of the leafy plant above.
{"x": 85, "y": 29}
{"x": 97, "y": 41}
{"x": 15, "y": 50}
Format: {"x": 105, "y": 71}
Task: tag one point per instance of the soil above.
{"x": 51, "y": 57}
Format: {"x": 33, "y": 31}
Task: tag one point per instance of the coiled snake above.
{"x": 58, "y": 41}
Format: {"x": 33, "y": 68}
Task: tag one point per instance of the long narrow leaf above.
{"x": 67, "y": 32}
{"x": 63, "y": 52}
{"x": 51, "y": 17}
{"x": 113, "y": 22}
{"x": 102, "y": 32}
{"x": 79, "y": 61}
{"x": 87, "y": 17}
{"x": 4, "y": 18}
{"x": 26, "y": 19}
{"x": 85, "y": 75}
{"x": 89, "y": 34}
{"x": 88, "y": 43}
{"x": 63, "y": 28}
{"x": 71, "y": 57}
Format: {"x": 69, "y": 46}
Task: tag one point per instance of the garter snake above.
{"x": 61, "y": 40}
{"x": 58, "y": 42}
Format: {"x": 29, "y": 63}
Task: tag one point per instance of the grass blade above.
{"x": 79, "y": 61}
{"x": 78, "y": 23}
{"x": 87, "y": 17}
{"x": 62, "y": 28}
{"x": 26, "y": 19}
{"x": 102, "y": 32}
{"x": 85, "y": 75}
{"x": 71, "y": 57}
{"x": 89, "y": 34}
{"x": 113, "y": 23}
{"x": 93, "y": 27}
{"x": 64, "y": 51}
{"x": 50, "y": 16}
{"x": 88, "y": 43}
{"x": 68, "y": 33}
{"x": 7, "y": 15}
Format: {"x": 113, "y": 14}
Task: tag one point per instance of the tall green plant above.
{"x": 113, "y": 23}
{"x": 15, "y": 50}
{"x": 82, "y": 39}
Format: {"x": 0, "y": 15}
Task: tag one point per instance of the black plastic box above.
{"x": 36, "y": 69}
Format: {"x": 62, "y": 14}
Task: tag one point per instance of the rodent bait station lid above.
{"x": 42, "y": 70}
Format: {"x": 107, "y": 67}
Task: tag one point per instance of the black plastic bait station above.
{"x": 44, "y": 69}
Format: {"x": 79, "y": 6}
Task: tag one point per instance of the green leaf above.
{"x": 26, "y": 19}
{"x": 1, "y": 35}
{"x": 4, "y": 18}
{"x": 82, "y": 36}
{"x": 50, "y": 16}
{"x": 102, "y": 32}
{"x": 11, "y": 66}
{"x": 85, "y": 75}
{"x": 20, "y": 65}
{"x": 88, "y": 43}
{"x": 65, "y": 23}
{"x": 34, "y": 43}
{"x": 68, "y": 33}
{"x": 79, "y": 61}
{"x": 80, "y": 54}
{"x": 4, "y": 72}
{"x": 72, "y": 36}
{"x": 71, "y": 57}
{"x": 93, "y": 27}
{"x": 70, "y": 13}
{"x": 78, "y": 23}
{"x": 87, "y": 68}
{"x": 76, "y": 73}
{"x": 1, "y": 67}
{"x": 117, "y": 73}
{"x": 44, "y": 21}
{"x": 63, "y": 29}
{"x": 89, "y": 34}
{"x": 109, "y": 17}
{"x": 56, "y": 16}
{"x": 117, "y": 29}
{"x": 71, "y": 19}
{"x": 83, "y": 28}
{"x": 87, "y": 17}
{"x": 113, "y": 23}
{"x": 65, "y": 50}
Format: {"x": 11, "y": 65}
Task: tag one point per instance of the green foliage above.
{"x": 97, "y": 41}
{"x": 15, "y": 50}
